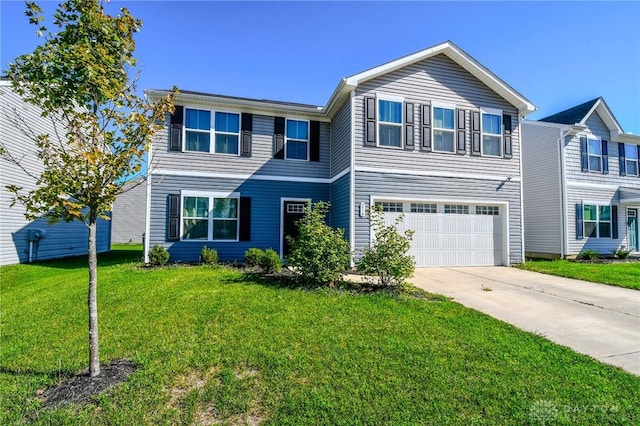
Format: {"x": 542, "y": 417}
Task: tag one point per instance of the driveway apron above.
{"x": 594, "y": 319}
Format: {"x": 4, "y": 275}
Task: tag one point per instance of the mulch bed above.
{"x": 81, "y": 388}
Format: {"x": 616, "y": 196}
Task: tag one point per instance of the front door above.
{"x": 292, "y": 211}
{"x": 632, "y": 229}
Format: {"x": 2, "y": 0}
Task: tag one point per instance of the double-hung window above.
{"x": 199, "y": 130}
{"x": 631, "y": 159}
{"x": 297, "y": 140}
{"x": 209, "y": 217}
{"x": 597, "y": 221}
{"x": 491, "y": 134}
{"x": 390, "y": 123}
{"x": 594, "y": 155}
{"x": 443, "y": 129}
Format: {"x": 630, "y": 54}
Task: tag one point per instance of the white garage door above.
{"x": 452, "y": 234}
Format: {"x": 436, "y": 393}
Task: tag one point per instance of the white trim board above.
{"x": 188, "y": 173}
{"x": 437, "y": 174}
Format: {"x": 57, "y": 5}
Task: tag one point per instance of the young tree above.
{"x": 81, "y": 78}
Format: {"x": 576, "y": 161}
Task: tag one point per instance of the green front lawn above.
{"x": 618, "y": 274}
{"x": 214, "y": 346}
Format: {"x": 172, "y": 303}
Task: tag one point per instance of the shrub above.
{"x": 588, "y": 254}
{"x": 387, "y": 258}
{"x": 270, "y": 262}
{"x": 158, "y": 255}
{"x": 320, "y": 254}
{"x": 209, "y": 256}
{"x": 621, "y": 253}
{"x": 253, "y": 256}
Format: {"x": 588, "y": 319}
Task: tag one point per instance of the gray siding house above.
{"x": 129, "y": 212}
{"x": 581, "y": 183}
{"x": 433, "y": 135}
{"x": 22, "y": 240}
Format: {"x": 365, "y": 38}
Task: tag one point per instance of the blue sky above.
{"x": 557, "y": 54}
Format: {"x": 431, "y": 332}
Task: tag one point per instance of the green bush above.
{"x": 320, "y": 254}
{"x": 387, "y": 259}
{"x": 158, "y": 255}
{"x": 253, "y": 256}
{"x": 621, "y": 253}
{"x": 270, "y": 262}
{"x": 588, "y": 254}
{"x": 209, "y": 256}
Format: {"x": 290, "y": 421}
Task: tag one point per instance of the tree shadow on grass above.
{"x": 114, "y": 257}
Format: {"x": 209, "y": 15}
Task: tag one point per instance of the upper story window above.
{"x": 443, "y": 129}
{"x": 297, "y": 140}
{"x": 491, "y": 134}
{"x": 209, "y": 217}
{"x": 199, "y": 129}
{"x": 630, "y": 159}
{"x": 597, "y": 221}
{"x": 390, "y": 123}
{"x": 594, "y": 155}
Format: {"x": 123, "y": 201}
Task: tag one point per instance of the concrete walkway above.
{"x": 594, "y": 319}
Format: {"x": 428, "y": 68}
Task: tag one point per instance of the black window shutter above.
{"x": 638, "y": 167}
{"x": 314, "y": 141}
{"x": 579, "y": 231}
{"x": 475, "y": 133}
{"x": 621, "y": 160}
{"x": 508, "y": 147}
{"x": 425, "y": 143}
{"x": 246, "y": 134}
{"x": 409, "y": 143}
{"x": 370, "y": 121}
{"x": 605, "y": 156}
{"x": 584, "y": 157}
{"x": 278, "y": 138}
{"x": 614, "y": 222}
{"x": 173, "y": 213}
{"x": 175, "y": 132}
{"x": 461, "y": 134}
{"x": 245, "y": 219}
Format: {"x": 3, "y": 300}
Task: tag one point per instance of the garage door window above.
{"x": 488, "y": 210}
{"x": 388, "y": 206}
{"x": 423, "y": 208}
{"x": 456, "y": 209}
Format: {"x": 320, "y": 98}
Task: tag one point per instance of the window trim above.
{"x": 212, "y": 130}
{"x": 210, "y": 218}
{"x": 589, "y": 137}
{"x": 453, "y": 108}
{"x": 597, "y": 221}
{"x": 465, "y": 208}
{"x": 287, "y": 139}
{"x": 400, "y": 125}
{"x": 388, "y": 203}
{"x": 499, "y": 113}
{"x": 626, "y": 159}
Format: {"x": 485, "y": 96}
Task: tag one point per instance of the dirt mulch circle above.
{"x": 81, "y": 388}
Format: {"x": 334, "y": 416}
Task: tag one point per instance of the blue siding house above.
{"x": 433, "y": 135}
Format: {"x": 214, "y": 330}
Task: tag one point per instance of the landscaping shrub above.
{"x": 621, "y": 253}
{"x": 252, "y": 257}
{"x": 158, "y": 255}
{"x": 387, "y": 259}
{"x": 270, "y": 262}
{"x": 320, "y": 254}
{"x": 209, "y": 256}
{"x": 588, "y": 254}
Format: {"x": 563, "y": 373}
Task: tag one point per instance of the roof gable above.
{"x": 579, "y": 115}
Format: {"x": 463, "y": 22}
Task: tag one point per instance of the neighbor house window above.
{"x": 491, "y": 134}
{"x": 631, "y": 159}
{"x": 597, "y": 221}
{"x": 390, "y": 123}
{"x": 197, "y": 130}
{"x": 297, "y": 140}
{"x": 227, "y": 133}
{"x": 594, "y": 155}
{"x": 488, "y": 210}
{"x": 443, "y": 128}
{"x": 209, "y": 218}
{"x": 390, "y": 206}
{"x": 456, "y": 209}
{"x": 423, "y": 208}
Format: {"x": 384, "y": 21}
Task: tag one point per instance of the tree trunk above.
{"x": 94, "y": 353}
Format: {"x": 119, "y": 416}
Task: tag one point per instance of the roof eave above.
{"x": 606, "y": 115}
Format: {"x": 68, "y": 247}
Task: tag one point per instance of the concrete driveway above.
{"x": 594, "y": 319}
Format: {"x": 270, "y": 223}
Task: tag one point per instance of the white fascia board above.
{"x": 544, "y": 124}
{"x": 605, "y": 114}
{"x": 277, "y": 178}
{"x": 627, "y": 138}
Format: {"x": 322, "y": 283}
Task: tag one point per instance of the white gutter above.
{"x": 564, "y": 240}
{"x": 352, "y": 182}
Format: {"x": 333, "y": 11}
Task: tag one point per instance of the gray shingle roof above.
{"x": 571, "y": 115}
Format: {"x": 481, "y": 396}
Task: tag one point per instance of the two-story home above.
{"x": 581, "y": 183}
{"x": 433, "y": 135}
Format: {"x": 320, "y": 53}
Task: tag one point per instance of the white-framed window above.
{"x": 456, "y": 209}
{"x": 423, "y": 208}
{"x": 200, "y": 129}
{"x": 488, "y": 210}
{"x": 596, "y": 221}
{"x": 443, "y": 128}
{"x": 297, "y": 140}
{"x": 631, "y": 159}
{"x": 390, "y": 206}
{"x": 295, "y": 208}
{"x": 210, "y": 217}
{"x": 389, "y": 123}
{"x": 491, "y": 133}
{"x": 594, "y": 154}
